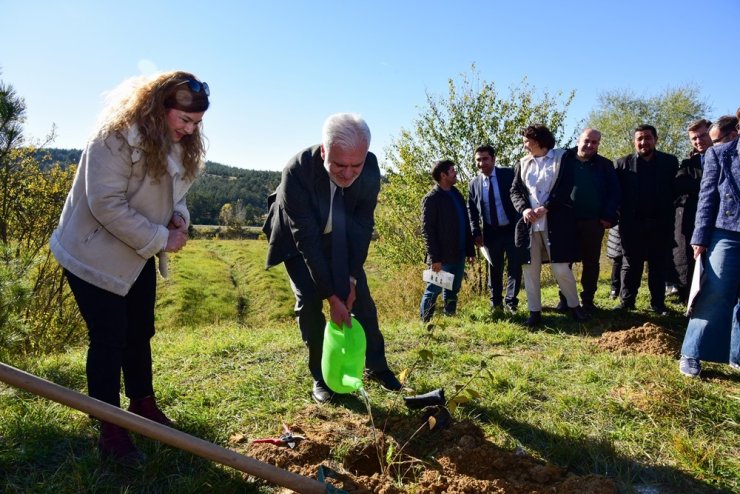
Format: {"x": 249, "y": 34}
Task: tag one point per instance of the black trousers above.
{"x": 119, "y": 330}
{"x": 646, "y": 242}
{"x": 311, "y": 321}
{"x": 589, "y": 235}
{"x": 500, "y": 241}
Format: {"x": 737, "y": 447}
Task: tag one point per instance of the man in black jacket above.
{"x": 595, "y": 200}
{"x": 492, "y": 220}
{"x": 646, "y": 217}
{"x": 447, "y": 235}
{"x": 686, "y": 190}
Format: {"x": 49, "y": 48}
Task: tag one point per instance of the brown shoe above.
{"x": 147, "y": 408}
{"x": 115, "y": 443}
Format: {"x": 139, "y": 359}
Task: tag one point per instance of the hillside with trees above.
{"x": 245, "y": 191}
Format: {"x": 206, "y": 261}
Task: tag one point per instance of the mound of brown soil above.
{"x": 648, "y": 338}
{"x": 399, "y": 456}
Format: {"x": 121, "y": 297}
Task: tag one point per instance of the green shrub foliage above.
{"x": 451, "y": 126}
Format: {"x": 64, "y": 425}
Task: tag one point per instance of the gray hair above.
{"x": 346, "y": 131}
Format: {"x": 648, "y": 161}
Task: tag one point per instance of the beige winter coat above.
{"x": 115, "y": 217}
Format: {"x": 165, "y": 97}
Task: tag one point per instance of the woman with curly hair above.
{"x": 126, "y": 207}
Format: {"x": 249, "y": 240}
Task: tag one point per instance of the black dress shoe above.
{"x": 660, "y": 310}
{"x": 535, "y": 318}
{"x": 562, "y": 306}
{"x": 579, "y": 314}
{"x": 589, "y": 307}
{"x": 321, "y": 392}
{"x": 386, "y": 379}
{"x": 624, "y": 308}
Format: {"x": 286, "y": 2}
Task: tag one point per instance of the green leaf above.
{"x": 389, "y": 453}
{"x": 473, "y": 393}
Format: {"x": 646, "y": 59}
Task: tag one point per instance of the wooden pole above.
{"x": 162, "y": 433}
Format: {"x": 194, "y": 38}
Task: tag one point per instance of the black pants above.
{"x": 589, "y": 235}
{"x": 644, "y": 242}
{"x": 616, "y": 277}
{"x": 119, "y": 330}
{"x": 500, "y": 241}
{"x": 311, "y": 321}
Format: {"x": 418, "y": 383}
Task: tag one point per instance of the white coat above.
{"x": 115, "y": 216}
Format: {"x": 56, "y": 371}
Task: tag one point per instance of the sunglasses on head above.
{"x": 197, "y": 86}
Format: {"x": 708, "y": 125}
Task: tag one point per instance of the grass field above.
{"x": 229, "y": 360}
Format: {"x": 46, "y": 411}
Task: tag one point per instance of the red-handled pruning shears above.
{"x": 287, "y": 438}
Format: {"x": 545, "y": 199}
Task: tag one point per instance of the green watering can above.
{"x": 343, "y": 358}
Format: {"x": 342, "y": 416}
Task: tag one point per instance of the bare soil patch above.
{"x": 645, "y": 339}
{"x": 453, "y": 459}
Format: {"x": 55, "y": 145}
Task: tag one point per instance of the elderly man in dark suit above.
{"x": 319, "y": 225}
{"x": 492, "y": 220}
{"x": 646, "y": 217}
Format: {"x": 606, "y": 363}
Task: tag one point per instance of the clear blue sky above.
{"x": 277, "y": 68}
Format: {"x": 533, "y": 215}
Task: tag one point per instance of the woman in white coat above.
{"x": 126, "y": 207}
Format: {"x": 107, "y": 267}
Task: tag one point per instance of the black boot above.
{"x": 535, "y": 318}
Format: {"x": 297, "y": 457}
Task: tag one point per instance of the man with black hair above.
{"x": 646, "y": 217}
{"x": 492, "y": 220}
{"x": 447, "y": 235}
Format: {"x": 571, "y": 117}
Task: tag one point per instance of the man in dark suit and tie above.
{"x": 490, "y": 208}
{"x": 319, "y": 225}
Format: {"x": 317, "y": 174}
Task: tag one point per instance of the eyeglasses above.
{"x": 197, "y": 86}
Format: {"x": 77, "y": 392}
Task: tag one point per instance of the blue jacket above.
{"x": 719, "y": 195}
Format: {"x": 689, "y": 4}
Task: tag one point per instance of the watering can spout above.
{"x": 351, "y": 382}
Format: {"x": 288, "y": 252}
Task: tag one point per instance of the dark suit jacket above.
{"x": 605, "y": 180}
{"x": 630, "y": 218}
{"x": 686, "y": 198}
{"x": 504, "y": 177}
{"x": 440, "y": 224}
{"x": 299, "y": 210}
{"x": 686, "y": 191}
